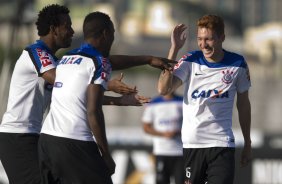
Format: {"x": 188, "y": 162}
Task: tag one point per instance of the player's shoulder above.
{"x": 156, "y": 100}
{"x": 234, "y": 59}
{"x": 38, "y": 45}
{"x": 84, "y": 50}
{"x": 39, "y": 51}
{"x": 193, "y": 56}
{"x": 178, "y": 98}
{"x": 160, "y": 99}
{"x": 233, "y": 55}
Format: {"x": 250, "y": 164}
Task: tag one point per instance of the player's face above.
{"x": 64, "y": 32}
{"x": 210, "y": 43}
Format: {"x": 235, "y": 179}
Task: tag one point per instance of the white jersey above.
{"x": 75, "y": 71}
{"x": 165, "y": 115}
{"x": 209, "y": 94}
{"x": 29, "y": 94}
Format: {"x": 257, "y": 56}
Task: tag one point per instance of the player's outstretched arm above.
{"x": 116, "y": 85}
{"x": 124, "y": 61}
{"x": 126, "y": 100}
{"x": 244, "y": 113}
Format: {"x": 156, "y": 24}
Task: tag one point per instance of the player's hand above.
{"x": 162, "y": 63}
{"x": 110, "y": 163}
{"x": 116, "y": 85}
{"x": 178, "y": 36}
{"x": 133, "y": 100}
{"x": 246, "y": 155}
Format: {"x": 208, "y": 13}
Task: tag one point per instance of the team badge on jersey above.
{"x": 227, "y": 76}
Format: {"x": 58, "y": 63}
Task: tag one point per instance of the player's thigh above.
{"x": 177, "y": 169}
{"x": 221, "y": 167}
{"x": 76, "y": 161}
{"x": 194, "y": 165}
{"x": 162, "y": 170}
{"x": 47, "y": 171}
{"x": 19, "y": 157}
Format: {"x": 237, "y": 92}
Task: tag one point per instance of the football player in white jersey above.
{"x": 212, "y": 77}
{"x": 162, "y": 118}
{"x": 76, "y": 110}
{"x": 30, "y": 93}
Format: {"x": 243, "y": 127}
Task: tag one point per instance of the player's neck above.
{"x": 50, "y": 44}
{"x": 217, "y": 57}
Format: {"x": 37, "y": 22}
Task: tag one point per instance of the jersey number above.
{"x": 188, "y": 172}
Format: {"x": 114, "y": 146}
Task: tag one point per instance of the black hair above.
{"x": 95, "y": 23}
{"x": 50, "y": 16}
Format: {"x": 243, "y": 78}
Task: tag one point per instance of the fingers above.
{"x": 121, "y": 77}
{"x": 167, "y": 64}
{"x": 143, "y": 99}
{"x": 126, "y": 90}
{"x": 245, "y": 159}
{"x": 244, "y": 162}
{"x": 169, "y": 61}
{"x": 179, "y": 29}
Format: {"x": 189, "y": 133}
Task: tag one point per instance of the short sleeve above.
{"x": 244, "y": 82}
{"x": 42, "y": 60}
{"x": 102, "y": 72}
{"x": 181, "y": 69}
{"x": 148, "y": 116}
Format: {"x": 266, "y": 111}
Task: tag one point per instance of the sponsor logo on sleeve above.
{"x": 44, "y": 57}
{"x": 106, "y": 69}
{"x": 181, "y": 61}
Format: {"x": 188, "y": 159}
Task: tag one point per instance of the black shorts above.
{"x": 69, "y": 161}
{"x": 211, "y": 165}
{"x": 19, "y": 156}
{"x": 168, "y": 167}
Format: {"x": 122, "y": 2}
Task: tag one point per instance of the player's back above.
{"x": 68, "y": 115}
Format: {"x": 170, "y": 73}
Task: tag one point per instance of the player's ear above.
{"x": 52, "y": 29}
{"x": 105, "y": 33}
{"x": 222, "y": 37}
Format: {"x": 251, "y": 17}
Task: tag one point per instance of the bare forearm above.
{"x": 172, "y": 54}
{"x": 165, "y": 82}
{"x": 153, "y": 132}
{"x": 110, "y": 100}
{"x": 245, "y": 121}
{"x": 97, "y": 125}
{"x": 123, "y": 61}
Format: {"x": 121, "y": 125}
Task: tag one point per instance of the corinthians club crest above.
{"x": 227, "y": 76}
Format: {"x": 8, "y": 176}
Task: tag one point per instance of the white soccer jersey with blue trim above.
{"x": 75, "y": 71}
{"x": 29, "y": 94}
{"x": 165, "y": 115}
{"x": 209, "y": 93}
